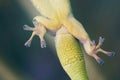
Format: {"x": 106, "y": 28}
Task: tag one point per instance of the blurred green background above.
{"x": 99, "y": 17}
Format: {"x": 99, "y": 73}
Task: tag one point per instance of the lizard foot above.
{"x": 38, "y": 30}
{"x": 97, "y": 48}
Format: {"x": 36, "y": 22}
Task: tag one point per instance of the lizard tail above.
{"x": 70, "y": 55}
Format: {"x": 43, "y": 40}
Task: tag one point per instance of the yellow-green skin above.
{"x": 56, "y": 16}
{"x": 70, "y": 55}
{"x": 57, "y": 13}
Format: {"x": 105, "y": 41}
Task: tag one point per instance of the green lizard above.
{"x": 70, "y": 55}
{"x": 56, "y": 14}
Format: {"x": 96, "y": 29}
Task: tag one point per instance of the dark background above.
{"x": 99, "y": 17}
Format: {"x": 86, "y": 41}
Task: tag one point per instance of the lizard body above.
{"x": 55, "y": 14}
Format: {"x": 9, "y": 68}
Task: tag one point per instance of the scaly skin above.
{"x": 56, "y": 14}
{"x": 70, "y": 55}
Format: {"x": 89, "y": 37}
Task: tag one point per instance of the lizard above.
{"x": 55, "y": 14}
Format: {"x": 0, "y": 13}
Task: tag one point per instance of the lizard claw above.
{"x": 101, "y": 40}
{"x": 95, "y": 48}
{"x": 43, "y": 44}
{"x": 93, "y": 42}
{"x": 111, "y": 54}
{"x": 100, "y": 61}
{"x": 28, "y": 43}
{"x": 28, "y": 28}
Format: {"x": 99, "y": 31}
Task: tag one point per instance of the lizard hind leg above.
{"x": 50, "y": 24}
{"x": 37, "y": 30}
{"x": 101, "y": 40}
{"x": 40, "y": 30}
{"x": 96, "y": 49}
{"x": 42, "y": 23}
